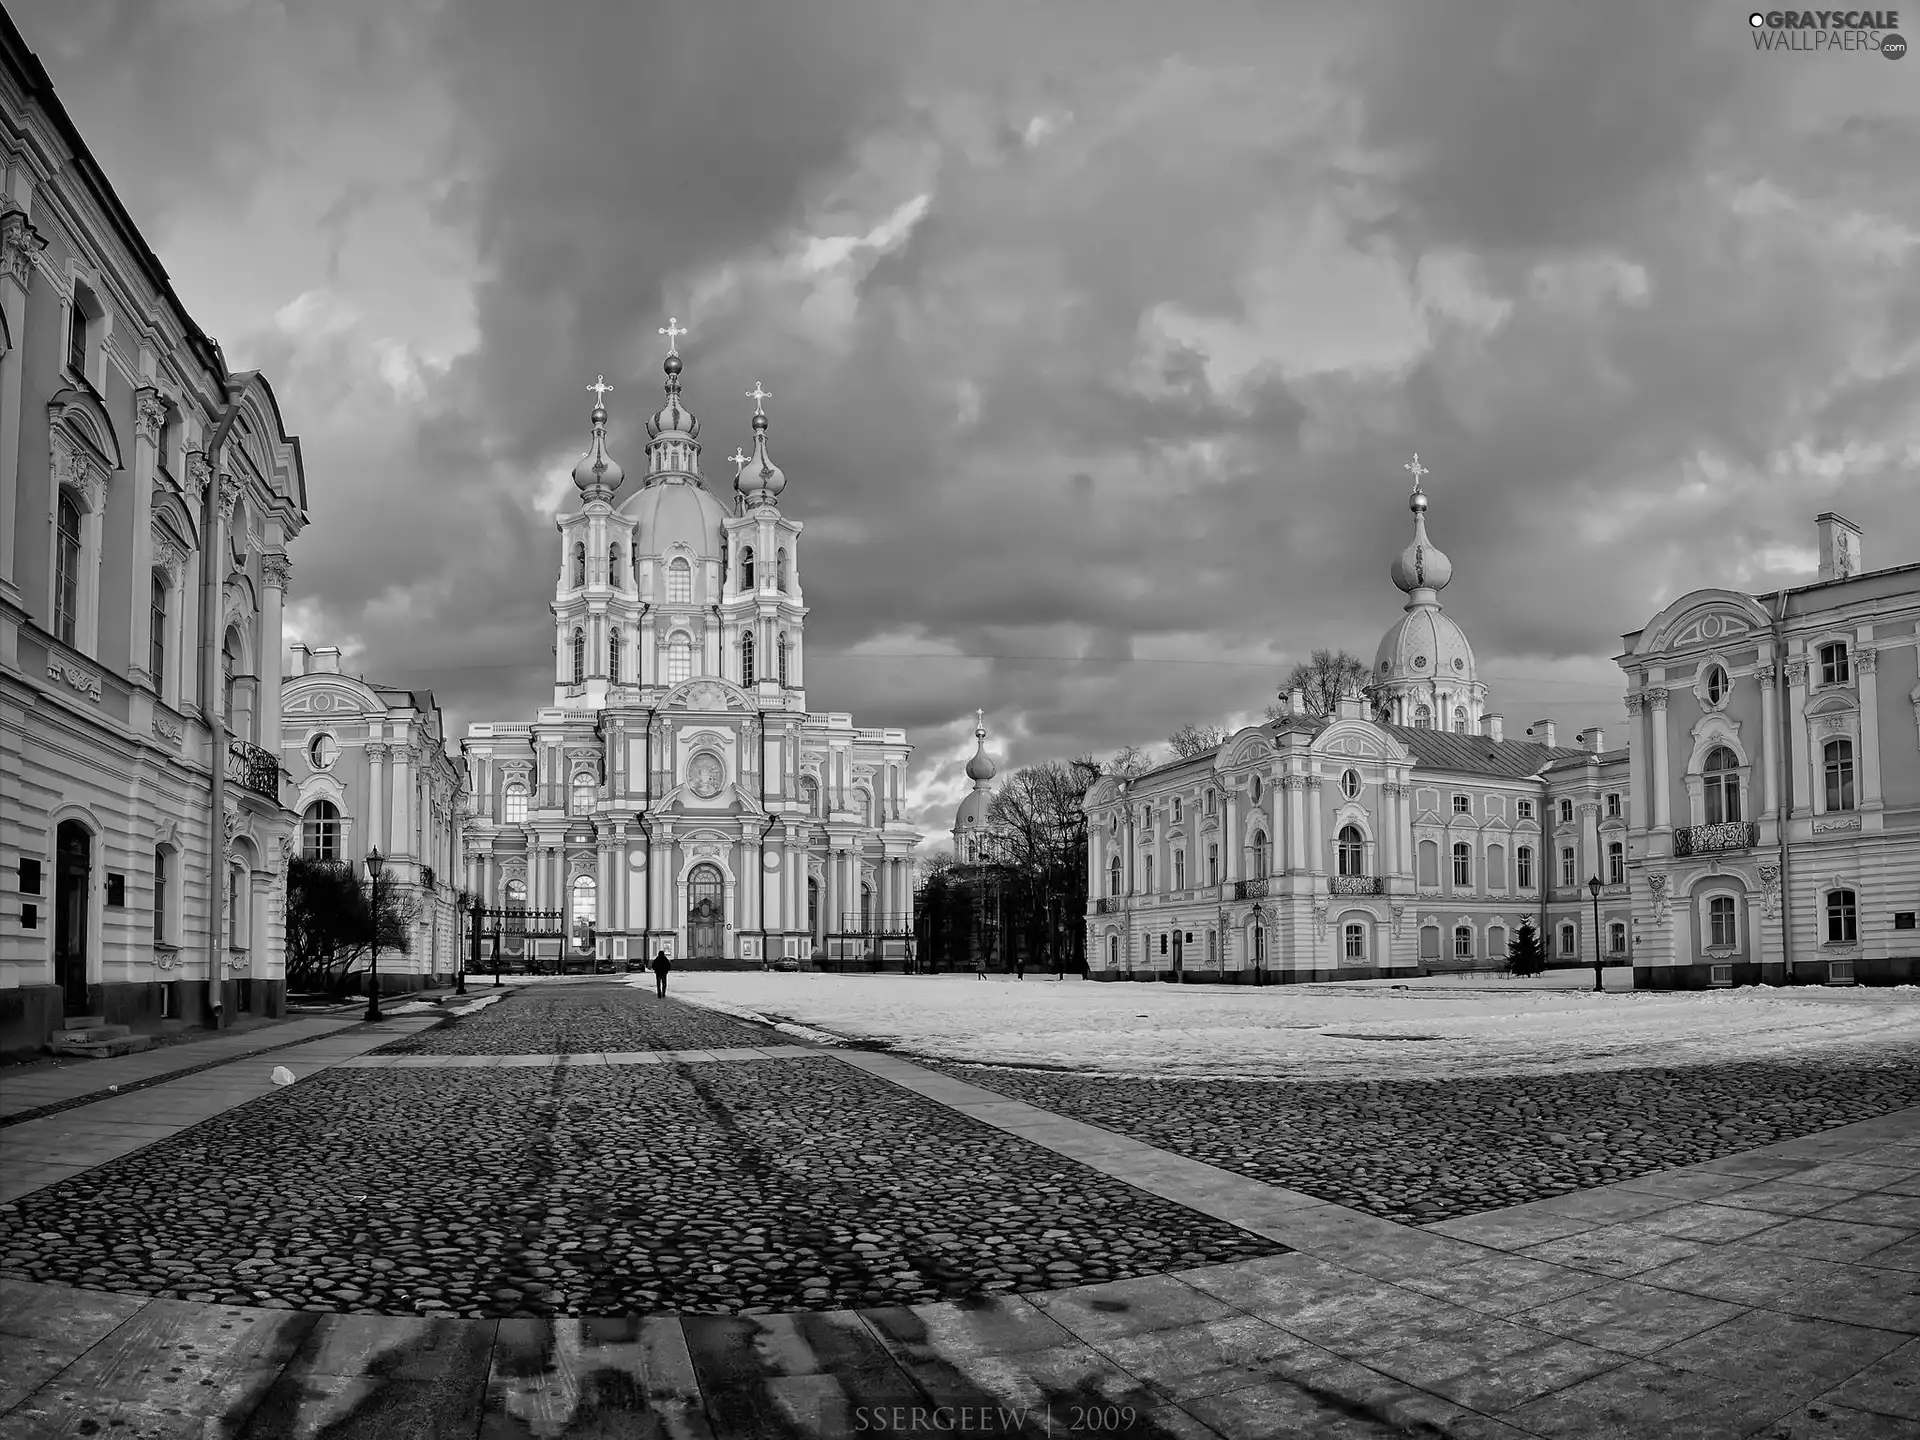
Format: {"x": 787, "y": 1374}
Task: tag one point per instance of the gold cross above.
{"x": 673, "y": 330}
{"x": 739, "y": 456}
{"x": 1416, "y": 469}
{"x": 600, "y": 387}
{"x": 979, "y": 720}
{"x": 759, "y": 398}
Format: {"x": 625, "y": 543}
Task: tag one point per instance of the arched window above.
{"x": 866, "y": 907}
{"x": 613, "y": 655}
{"x": 1721, "y": 782}
{"x": 1720, "y": 926}
{"x": 1616, "y": 863}
{"x": 1523, "y": 867}
{"x": 583, "y": 788}
{"x": 783, "y": 659}
{"x": 679, "y": 581}
{"x": 1113, "y": 952}
{"x": 157, "y": 639}
{"x": 236, "y": 911}
{"x": 746, "y": 659}
{"x": 579, "y": 657}
{"x": 66, "y": 572}
{"x": 613, "y": 566}
{"x": 1354, "y": 947}
{"x": 1842, "y": 918}
{"x": 1463, "y": 942}
{"x": 160, "y": 897}
{"x": 1259, "y": 855}
{"x": 1617, "y": 938}
{"x": 810, "y": 794}
{"x": 579, "y": 566}
{"x": 1351, "y": 851}
{"x": 229, "y": 668}
{"x": 320, "y": 831}
{"x": 1259, "y": 945}
{"x": 1462, "y": 864}
{"x": 746, "y": 567}
{"x": 813, "y": 907}
{"x": 679, "y": 657}
{"x": 780, "y": 570}
{"x": 1459, "y": 720}
{"x": 1113, "y": 876}
{"x": 1838, "y": 755}
{"x": 515, "y": 809}
{"x": 1716, "y": 684}
{"x": 516, "y": 894}
{"x": 1422, "y": 718}
{"x": 585, "y": 906}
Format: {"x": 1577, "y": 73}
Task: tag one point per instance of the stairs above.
{"x": 90, "y": 1035}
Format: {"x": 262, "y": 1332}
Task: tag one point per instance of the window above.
{"x": 235, "y": 913}
{"x": 746, "y": 567}
{"x": 1720, "y": 928}
{"x": 1213, "y": 864}
{"x": 1429, "y": 942}
{"x": 585, "y": 908}
{"x": 1209, "y": 800}
{"x": 322, "y": 751}
{"x": 1721, "y": 784}
{"x": 679, "y": 657}
{"x": 1176, "y": 810}
{"x": 1257, "y": 789}
{"x": 1613, "y": 805}
{"x": 679, "y": 581}
{"x": 783, "y": 659}
{"x": 1428, "y": 869}
{"x": 66, "y": 572}
{"x": 1351, "y": 851}
{"x": 780, "y": 570}
{"x": 1566, "y": 812}
{"x": 1716, "y": 686}
{"x": 1462, "y": 805}
{"x": 157, "y": 638}
{"x": 516, "y": 894}
{"x": 1259, "y": 855}
{"x": 1566, "y": 865}
{"x": 1146, "y": 817}
{"x": 1523, "y": 867}
{"x": 579, "y": 648}
{"x": 810, "y": 794}
{"x": 1617, "y": 938}
{"x": 1350, "y": 784}
{"x": 320, "y": 831}
{"x": 1113, "y": 941}
{"x": 1459, "y": 720}
{"x": 516, "y": 804}
{"x": 1113, "y": 876}
{"x": 579, "y": 566}
{"x": 746, "y": 659}
{"x": 1422, "y": 718}
{"x": 1355, "y": 948}
{"x": 1149, "y": 874}
{"x": 583, "y": 789}
{"x": 79, "y": 322}
{"x": 1463, "y": 942}
{"x": 1842, "y": 918}
{"x": 229, "y": 667}
{"x": 1569, "y": 940}
{"x": 1616, "y": 863}
{"x": 1838, "y": 755}
{"x": 1496, "y": 867}
{"x": 613, "y": 655}
{"x": 1833, "y": 664}
{"x": 1259, "y": 945}
{"x": 160, "y": 896}
{"x": 1525, "y": 810}
{"x": 613, "y": 566}
{"x": 1179, "y": 869}
{"x": 1462, "y": 864}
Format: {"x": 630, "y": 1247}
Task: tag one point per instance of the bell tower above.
{"x": 762, "y": 610}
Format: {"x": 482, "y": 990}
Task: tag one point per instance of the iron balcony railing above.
{"x": 1106, "y": 904}
{"x": 252, "y": 768}
{"x": 1711, "y": 839}
{"x": 1353, "y": 884}
{"x": 1254, "y": 889}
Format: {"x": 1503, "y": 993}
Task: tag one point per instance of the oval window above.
{"x": 1350, "y": 783}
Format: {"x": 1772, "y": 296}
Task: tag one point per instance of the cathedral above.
{"x": 678, "y": 795}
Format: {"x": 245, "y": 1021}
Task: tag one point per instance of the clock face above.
{"x": 706, "y": 776}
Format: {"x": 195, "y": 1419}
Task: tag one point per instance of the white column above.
{"x": 1590, "y": 841}
{"x": 1293, "y": 798}
{"x": 400, "y": 820}
{"x": 148, "y": 410}
{"x": 376, "y": 797}
{"x": 1230, "y": 837}
{"x": 275, "y": 571}
{"x": 1800, "y": 770}
{"x": 19, "y": 243}
{"x": 1866, "y": 665}
{"x": 1767, "y": 677}
{"x": 1662, "y": 782}
{"x": 1318, "y": 863}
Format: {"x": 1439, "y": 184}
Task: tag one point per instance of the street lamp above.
{"x": 375, "y": 864}
{"x": 1593, "y": 889}
{"x": 471, "y": 948}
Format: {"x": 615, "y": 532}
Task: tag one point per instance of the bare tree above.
{"x": 1323, "y": 677}
{"x": 933, "y": 867}
{"x": 1191, "y": 740}
{"x": 1129, "y": 761}
{"x": 1043, "y": 839}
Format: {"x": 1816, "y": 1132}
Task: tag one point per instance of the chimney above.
{"x": 1839, "y": 546}
{"x": 1296, "y": 701}
{"x": 1491, "y": 726}
{"x": 1541, "y": 732}
{"x": 1351, "y": 706}
{"x": 301, "y": 655}
{"x": 326, "y": 661}
{"x": 1594, "y": 739}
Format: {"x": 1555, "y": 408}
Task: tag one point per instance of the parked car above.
{"x": 786, "y": 962}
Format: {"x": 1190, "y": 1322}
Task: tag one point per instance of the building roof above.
{"x": 1477, "y": 755}
{"x": 1605, "y": 757}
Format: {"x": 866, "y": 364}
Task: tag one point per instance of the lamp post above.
{"x": 472, "y": 947}
{"x": 375, "y": 864}
{"x": 496, "y": 953}
{"x": 1599, "y": 980}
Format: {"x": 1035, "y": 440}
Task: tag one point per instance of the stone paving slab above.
{"x": 391, "y": 1060}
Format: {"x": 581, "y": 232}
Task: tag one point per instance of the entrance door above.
{"x": 72, "y": 884}
{"x": 1178, "y": 953}
{"x": 705, "y": 894}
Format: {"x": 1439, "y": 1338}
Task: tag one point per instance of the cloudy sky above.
{"x": 1098, "y": 331}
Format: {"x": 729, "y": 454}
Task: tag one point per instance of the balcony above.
{"x": 1353, "y": 884}
{"x": 1106, "y": 904}
{"x": 252, "y": 768}
{"x": 1255, "y": 889}
{"x": 1712, "y": 839}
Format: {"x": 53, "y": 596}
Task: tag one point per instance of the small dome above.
{"x": 673, "y": 418}
{"x": 598, "y": 474}
{"x": 673, "y": 510}
{"x": 1425, "y": 644}
{"x": 1422, "y": 565}
{"x": 760, "y": 480}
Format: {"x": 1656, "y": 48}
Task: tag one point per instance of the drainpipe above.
{"x": 1783, "y": 778}
{"x": 766, "y": 962}
{"x": 646, "y": 829}
{"x": 213, "y": 706}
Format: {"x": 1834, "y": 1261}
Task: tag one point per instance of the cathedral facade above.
{"x": 1402, "y": 835}
{"x": 678, "y": 794}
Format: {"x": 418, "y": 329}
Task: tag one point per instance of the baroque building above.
{"x": 678, "y": 794}
{"x": 370, "y": 770}
{"x": 1347, "y": 846}
{"x": 1776, "y": 779}
{"x": 147, "y": 496}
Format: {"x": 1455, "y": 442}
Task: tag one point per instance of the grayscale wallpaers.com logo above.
{"x": 1867, "y": 30}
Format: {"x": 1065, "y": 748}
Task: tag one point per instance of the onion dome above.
{"x": 673, "y": 418}
{"x": 760, "y": 481}
{"x": 1422, "y": 565}
{"x": 980, "y": 768}
{"x": 598, "y": 475}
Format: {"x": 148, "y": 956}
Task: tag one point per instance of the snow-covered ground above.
{"x": 1442, "y": 1026}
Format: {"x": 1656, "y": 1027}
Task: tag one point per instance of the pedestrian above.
{"x": 1019, "y": 964}
{"x": 661, "y": 965}
{"x": 980, "y": 959}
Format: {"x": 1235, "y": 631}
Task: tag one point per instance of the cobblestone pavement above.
{"x": 723, "y": 1187}
{"x": 583, "y": 1020}
{"x": 1418, "y": 1151}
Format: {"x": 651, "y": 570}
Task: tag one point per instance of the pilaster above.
{"x": 1662, "y": 780}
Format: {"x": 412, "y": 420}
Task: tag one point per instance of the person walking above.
{"x": 1019, "y": 964}
{"x": 661, "y": 965}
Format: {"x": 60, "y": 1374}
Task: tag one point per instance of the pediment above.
{"x": 1714, "y": 627}
{"x": 1429, "y": 817}
{"x": 707, "y": 693}
{"x": 1711, "y": 617}
{"x": 326, "y": 700}
{"x": 1840, "y": 704}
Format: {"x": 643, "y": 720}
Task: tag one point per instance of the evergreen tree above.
{"x": 1525, "y": 954}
